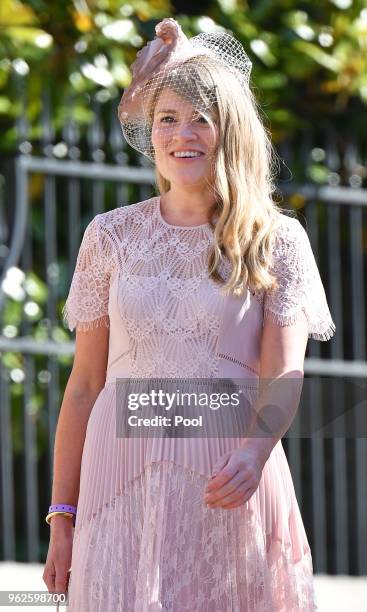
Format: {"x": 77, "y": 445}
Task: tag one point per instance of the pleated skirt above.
{"x": 144, "y": 540}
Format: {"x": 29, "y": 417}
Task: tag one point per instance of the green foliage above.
{"x": 25, "y": 302}
{"x": 310, "y": 59}
{"x": 309, "y": 66}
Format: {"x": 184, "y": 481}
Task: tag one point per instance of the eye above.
{"x": 163, "y": 119}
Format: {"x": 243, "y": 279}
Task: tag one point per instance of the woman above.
{"x": 209, "y": 280}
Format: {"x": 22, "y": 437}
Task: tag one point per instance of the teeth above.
{"x": 186, "y": 154}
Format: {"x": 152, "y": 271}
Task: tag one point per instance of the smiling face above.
{"x": 178, "y": 129}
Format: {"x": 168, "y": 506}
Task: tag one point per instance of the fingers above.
{"x": 212, "y": 494}
{"x": 228, "y": 492}
{"x": 49, "y": 576}
{"x": 239, "y": 498}
{"x": 229, "y": 478}
{"x": 236, "y": 494}
{"x": 61, "y": 581}
{"x": 222, "y": 478}
{"x": 56, "y": 579}
{"x": 220, "y": 464}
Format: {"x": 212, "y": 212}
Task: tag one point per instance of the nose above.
{"x": 185, "y": 130}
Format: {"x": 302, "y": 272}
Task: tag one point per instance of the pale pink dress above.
{"x": 144, "y": 540}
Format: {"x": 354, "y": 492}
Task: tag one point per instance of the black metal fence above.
{"x": 52, "y": 188}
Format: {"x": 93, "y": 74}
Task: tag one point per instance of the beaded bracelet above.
{"x": 65, "y": 509}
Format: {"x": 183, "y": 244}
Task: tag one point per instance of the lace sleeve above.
{"x": 86, "y": 306}
{"x": 300, "y": 288}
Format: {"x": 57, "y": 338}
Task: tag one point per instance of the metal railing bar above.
{"x": 335, "y": 367}
{"x": 318, "y": 481}
{"x": 357, "y": 283}
{"x": 92, "y": 170}
{"x": 7, "y": 472}
{"x": 313, "y": 365}
{"x": 31, "y": 346}
{"x": 20, "y": 222}
{"x": 31, "y": 513}
{"x": 331, "y": 195}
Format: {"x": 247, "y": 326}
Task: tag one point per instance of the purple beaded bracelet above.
{"x": 61, "y": 508}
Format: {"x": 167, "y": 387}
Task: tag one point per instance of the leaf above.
{"x": 82, "y": 21}
{"x": 13, "y": 12}
{"x": 5, "y": 105}
{"x": 272, "y": 80}
{"x": 11, "y": 360}
{"x": 24, "y": 34}
{"x": 321, "y": 57}
{"x": 35, "y": 288}
{"x": 318, "y": 173}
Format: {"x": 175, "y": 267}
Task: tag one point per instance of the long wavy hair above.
{"x": 245, "y": 166}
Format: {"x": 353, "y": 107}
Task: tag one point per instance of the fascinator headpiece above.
{"x": 169, "y": 63}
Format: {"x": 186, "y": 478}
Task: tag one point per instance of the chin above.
{"x": 187, "y": 178}
{"x": 179, "y": 182}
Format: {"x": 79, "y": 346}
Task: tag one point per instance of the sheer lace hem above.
{"x": 325, "y": 329}
{"x": 73, "y": 322}
{"x": 194, "y": 558}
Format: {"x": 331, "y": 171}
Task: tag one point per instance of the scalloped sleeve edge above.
{"x": 323, "y": 331}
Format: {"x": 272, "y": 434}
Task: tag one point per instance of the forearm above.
{"x": 274, "y": 411}
{"x": 69, "y": 443}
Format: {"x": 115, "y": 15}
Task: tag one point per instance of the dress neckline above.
{"x": 183, "y": 227}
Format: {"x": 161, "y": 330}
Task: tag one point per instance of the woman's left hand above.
{"x": 238, "y": 474}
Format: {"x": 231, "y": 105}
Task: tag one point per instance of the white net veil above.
{"x": 174, "y": 90}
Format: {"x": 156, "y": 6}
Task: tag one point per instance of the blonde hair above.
{"x": 244, "y": 171}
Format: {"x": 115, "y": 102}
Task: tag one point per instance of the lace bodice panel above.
{"x": 171, "y": 311}
{"x": 147, "y": 280}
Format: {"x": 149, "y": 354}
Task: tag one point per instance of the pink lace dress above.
{"x": 144, "y": 540}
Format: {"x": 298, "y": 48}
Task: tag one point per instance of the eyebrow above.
{"x": 172, "y": 112}
{"x": 169, "y": 110}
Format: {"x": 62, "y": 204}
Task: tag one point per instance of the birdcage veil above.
{"x": 182, "y": 69}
